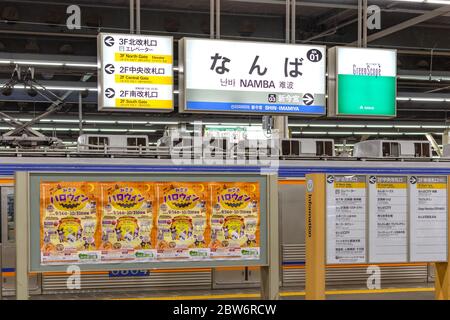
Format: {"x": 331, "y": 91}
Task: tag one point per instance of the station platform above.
{"x": 393, "y": 293}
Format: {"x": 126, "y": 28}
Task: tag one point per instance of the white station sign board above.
{"x": 346, "y": 218}
{"x": 388, "y": 223}
{"x": 428, "y": 227}
{"x": 135, "y": 72}
{"x": 225, "y": 76}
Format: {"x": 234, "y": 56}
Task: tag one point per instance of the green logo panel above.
{"x": 364, "y": 95}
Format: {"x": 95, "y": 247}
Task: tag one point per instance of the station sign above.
{"x": 224, "y": 76}
{"x": 136, "y": 72}
{"x": 362, "y": 82}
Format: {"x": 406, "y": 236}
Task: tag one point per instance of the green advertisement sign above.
{"x": 364, "y": 82}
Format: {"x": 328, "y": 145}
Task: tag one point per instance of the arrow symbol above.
{"x": 109, "y": 41}
{"x": 330, "y": 179}
{"x": 110, "y": 93}
{"x": 109, "y": 68}
{"x": 413, "y": 180}
{"x": 372, "y": 179}
{"x": 308, "y": 99}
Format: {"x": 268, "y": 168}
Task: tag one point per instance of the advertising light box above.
{"x": 362, "y": 82}
{"x": 138, "y": 221}
{"x": 135, "y": 73}
{"x": 249, "y": 77}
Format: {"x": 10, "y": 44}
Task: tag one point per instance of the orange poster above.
{"x": 127, "y": 221}
{"x": 182, "y": 224}
{"x": 235, "y": 220}
{"x": 69, "y": 222}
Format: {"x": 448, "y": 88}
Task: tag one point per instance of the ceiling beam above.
{"x": 408, "y": 23}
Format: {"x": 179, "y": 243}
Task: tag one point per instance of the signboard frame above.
{"x": 267, "y": 185}
{"x": 100, "y": 79}
{"x": 333, "y": 86}
{"x": 182, "y": 82}
{"x": 367, "y": 219}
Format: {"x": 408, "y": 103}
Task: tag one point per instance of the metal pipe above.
{"x": 217, "y": 19}
{"x": 288, "y": 21}
{"x": 131, "y": 16}
{"x": 359, "y": 23}
{"x": 138, "y": 16}
{"x": 80, "y": 113}
{"x": 293, "y": 16}
{"x": 364, "y": 23}
{"x": 211, "y": 19}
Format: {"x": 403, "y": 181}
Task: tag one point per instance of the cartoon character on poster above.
{"x": 127, "y": 221}
{"x": 68, "y": 222}
{"x": 182, "y": 220}
{"x": 235, "y": 220}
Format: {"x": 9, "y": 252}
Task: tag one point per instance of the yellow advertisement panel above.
{"x": 69, "y": 222}
{"x": 127, "y": 221}
{"x": 235, "y": 220}
{"x": 182, "y": 226}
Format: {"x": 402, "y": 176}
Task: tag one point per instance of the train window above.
{"x": 386, "y": 149}
{"x": 135, "y": 142}
{"x": 295, "y": 147}
{"x": 421, "y": 150}
{"x": 324, "y": 148}
{"x": 285, "y": 147}
{"x": 98, "y": 141}
{"x": 395, "y": 149}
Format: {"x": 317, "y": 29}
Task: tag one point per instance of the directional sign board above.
{"x": 251, "y": 77}
{"x": 135, "y": 72}
{"x": 346, "y": 218}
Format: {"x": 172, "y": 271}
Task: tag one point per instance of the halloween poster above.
{"x": 182, "y": 230}
{"x": 235, "y": 220}
{"x": 68, "y": 217}
{"x": 127, "y": 221}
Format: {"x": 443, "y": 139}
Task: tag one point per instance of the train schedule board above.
{"x": 428, "y": 218}
{"x": 346, "y": 197}
{"x": 135, "y": 72}
{"x": 117, "y": 221}
{"x": 226, "y": 77}
{"x": 362, "y": 82}
{"x": 388, "y": 218}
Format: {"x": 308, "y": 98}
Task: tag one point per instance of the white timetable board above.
{"x": 388, "y": 219}
{"x": 428, "y": 218}
{"x": 346, "y": 219}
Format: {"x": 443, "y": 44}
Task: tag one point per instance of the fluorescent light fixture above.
{"x": 297, "y": 125}
{"x": 162, "y": 122}
{"x": 407, "y": 126}
{"x": 427, "y": 1}
{"x": 38, "y": 63}
{"x": 142, "y": 130}
{"x": 339, "y": 133}
{"x": 428, "y": 99}
{"x": 69, "y": 88}
{"x": 403, "y": 99}
{"x": 131, "y": 122}
{"x": 434, "y": 127}
{"x": 351, "y": 125}
{"x": 323, "y": 125}
{"x": 414, "y": 133}
{"x": 365, "y": 133}
{"x": 82, "y": 65}
{"x": 391, "y": 133}
{"x": 317, "y": 132}
{"x": 379, "y": 126}
{"x": 100, "y": 121}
